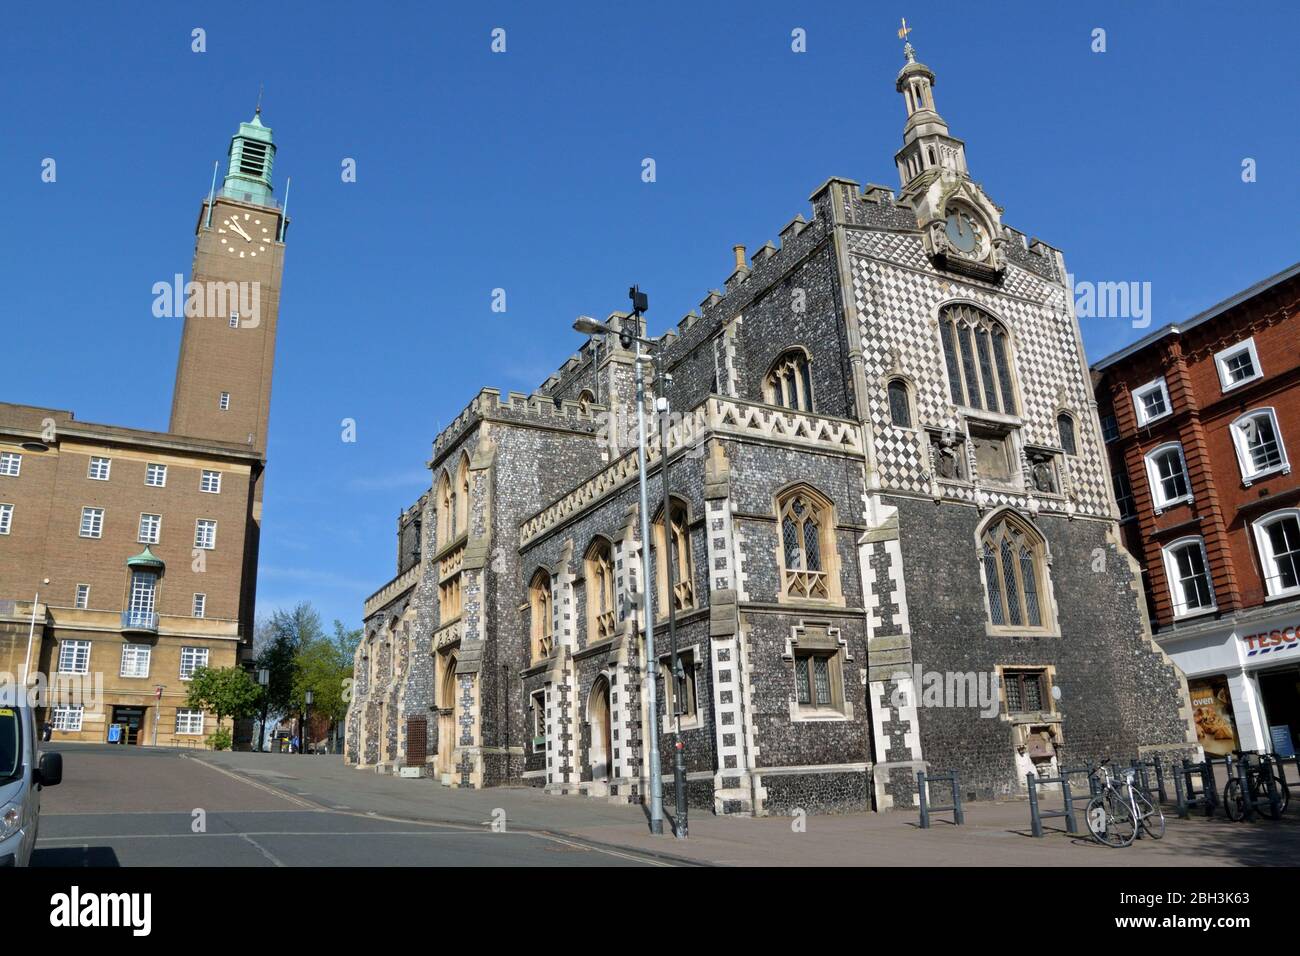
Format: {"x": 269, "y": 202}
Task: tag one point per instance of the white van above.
{"x": 23, "y": 772}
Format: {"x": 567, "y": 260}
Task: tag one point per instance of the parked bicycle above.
{"x": 1119, "y": 808}
{"x": 1263, "y": 772}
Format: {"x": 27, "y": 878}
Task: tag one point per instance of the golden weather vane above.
{"x": 904, "y": 30}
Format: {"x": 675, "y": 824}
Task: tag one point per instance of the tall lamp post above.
{"x": 263, "y": 679}
{"x": 309, "y": 698}
{"x": 629, "y": 338}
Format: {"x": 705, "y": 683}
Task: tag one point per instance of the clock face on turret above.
{"x": 244, "y": 234}
{"x": 964, "y": 233}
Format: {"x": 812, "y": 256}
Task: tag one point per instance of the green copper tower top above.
{"x": 248, "y": 177}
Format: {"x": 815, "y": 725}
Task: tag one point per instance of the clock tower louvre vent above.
{"x": 252, "y": 154}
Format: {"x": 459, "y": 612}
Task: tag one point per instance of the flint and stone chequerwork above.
{"x": 884, "y": 465}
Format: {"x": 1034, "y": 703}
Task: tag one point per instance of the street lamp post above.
{"x": 264, "y": 679}
{"x": 628, "y": 338}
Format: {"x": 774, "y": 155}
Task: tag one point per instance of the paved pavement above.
{"x": 265, "y": 809}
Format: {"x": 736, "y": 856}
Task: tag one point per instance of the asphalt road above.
{"x": 121, "y": 806}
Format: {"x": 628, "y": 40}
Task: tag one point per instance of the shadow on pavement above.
{"x": 75, "y": 856}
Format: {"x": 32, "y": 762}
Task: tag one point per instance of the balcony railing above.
{"x": 140, "y": 621}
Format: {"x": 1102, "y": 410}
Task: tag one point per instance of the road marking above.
{"x": 275, "y": 860}
{"x": 253, "y": 783}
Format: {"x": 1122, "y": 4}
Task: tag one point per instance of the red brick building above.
{"x": 1202, "y": 420}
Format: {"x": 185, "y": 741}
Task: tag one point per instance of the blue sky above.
{"x": 522, "y": 171}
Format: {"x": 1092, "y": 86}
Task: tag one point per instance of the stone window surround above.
{"x": 811, "y": 635}
{"x": 541, "y": 608}
{"x": 989, "y": 317}
{"x": 683, "y": 569}
{"x": 909, "y": 388}
{"x": 693, "y": 719}
{"x": 1051, "y": 626}
{"x": 598, "y": 567}
{"x": 830, "y": 552}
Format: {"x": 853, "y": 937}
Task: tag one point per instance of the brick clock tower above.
{"x": 223, "y": 377}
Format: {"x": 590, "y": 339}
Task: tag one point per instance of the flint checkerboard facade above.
{"x": 838, "y": 506}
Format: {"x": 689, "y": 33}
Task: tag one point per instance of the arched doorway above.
{"x": 598, "y": 718}
{"x": 447, "y": 720}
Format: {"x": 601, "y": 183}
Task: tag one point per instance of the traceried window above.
{"x": 1167, "y": 474}
{"x": 789, "y": 382}
{"x": 977, "y": 354}
{"x": 1187, "y": 568}
{"x": 806, "y": 544}
{"x": 900, "y": 403}
{"x": 1278, "y": 538}
{"x": 540, "y": 615}
{"x": 683, "y": 587}
{"x": 1015, "y": 575}
{"x": 1065, "y": 429}
{"x": 1260, "y": 450}
{"x": 601, "y": 618}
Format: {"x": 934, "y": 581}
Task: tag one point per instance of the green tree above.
{"x": 278, "y": 641}
{"x": 324, "y": 666}
{"x": 225, "y": 691}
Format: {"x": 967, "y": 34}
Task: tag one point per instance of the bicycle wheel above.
{"x": 1261, "y": 800}
{"x": 1110, "y": 821}
{"x": 1153, "y": 818}
{"x": 1233, "y": 803}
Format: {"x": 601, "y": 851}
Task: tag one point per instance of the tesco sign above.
{"x": 1274, "y": 641}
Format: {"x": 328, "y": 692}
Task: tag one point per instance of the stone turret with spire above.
{"x": 962, "y": 227}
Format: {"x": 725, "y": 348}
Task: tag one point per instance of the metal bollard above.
{"x": 1181, "y": 794}
{"x": 958, "y": 816}
{"x": 923, "y": 797}
{"x": 1036, "y": 824}
{"x": 1247, "y": 799}
{"x": 1160, "y": 781}
{"x": 1069, "y": 804}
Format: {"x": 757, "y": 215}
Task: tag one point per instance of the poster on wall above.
{"x": 1212, "y": 710}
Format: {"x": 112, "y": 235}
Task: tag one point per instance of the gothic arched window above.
{"x": 977, "y": 353}
{"x": 683, "y": 586}
{"x": 1065, "y": 428}
{"x": 900, "y": 403}
{"x": 789, "y": 382}
{"x": 445, "y": 505}
{"x": 539, "y": 609}
{"x": 600, "y": 590}
{"x": 1015, "y": 575}
{"x": 462, "y": 497}
{"x": 807, "y": 545}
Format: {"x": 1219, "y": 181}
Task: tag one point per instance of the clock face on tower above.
{"x": 244, "y": 234}
{"x": 964, "y": 232}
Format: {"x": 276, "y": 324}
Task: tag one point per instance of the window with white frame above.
{"x": 1167, "y": 475}
{"x": 99, "y": 469}
{"x": 189, "y": 722}
{"x": 192, "y": 658}
{"x": 223, "y": 402}
{"x": 205, "y": 534}
{"x": 67, "y": 719}
{"x": 210, "y": 481}
{"x": 1151, "y": 401}
{"x": 234, "y": 320}
{"x": 6, "y": 518}
{"x": 200, "y": 605}
{"x": 1260, "y": 450}
{"x": 1188, "y": 570}
{"x": 1278, "y": 537}
{"x": 135, "y": 660}
{"x": 1238, "y": 365}
{"x": 92, "y": 522}
{"x": 150, "y": 528}
{"x": 155, "y": 476}
{"x": 11, "y": 463}
{"x": 83, "y": 596}
{"x": 74, "y": 657}
{"x": 1109, "y": 428}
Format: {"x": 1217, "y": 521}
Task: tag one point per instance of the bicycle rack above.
{"x": 1038, "y": 815}
{"x": 1247, "y": 772}
{"x": 923, "y": 781}
{"x": 1144, "y": 782}
{"x": 1189, "y": 798}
